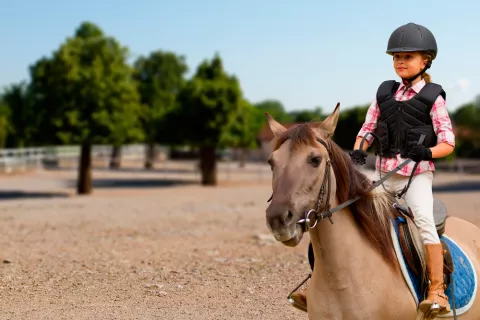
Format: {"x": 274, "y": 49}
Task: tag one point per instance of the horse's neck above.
{"x": 343, "y": 252}
{"x": 350, "y": 277}
{"x": 336, "y": 244}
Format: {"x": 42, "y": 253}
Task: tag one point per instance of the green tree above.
{"x": 275, "y": 108}
{"x": 17, "y": 98}
{"x": 160, "y": 77}
{"x": 243, "y": 130}
{"x": 467, "y": 120}
{"x": 467, "y": 115}
{"x": 4, "y": 122}
{"x": 48, "y": 88}
{"x": 306, "y": 115}
{"x": 85, "y": 94}
{"x": 207, "y": 105}
{"x": 349, "y": 123}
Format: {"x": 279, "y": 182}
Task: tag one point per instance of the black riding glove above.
{"x": 359, "y": 157}
{"x": 420, "y": 152}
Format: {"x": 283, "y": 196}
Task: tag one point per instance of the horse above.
{"x": 357, "y": 271}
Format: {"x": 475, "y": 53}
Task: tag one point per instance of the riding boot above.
{"x": 436, "y": 294}
{"x": 299, "y": 300}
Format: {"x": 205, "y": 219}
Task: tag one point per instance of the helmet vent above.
{"x": 420, "y": 32}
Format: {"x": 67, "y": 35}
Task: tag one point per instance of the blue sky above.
{"x": 304, "y": 53}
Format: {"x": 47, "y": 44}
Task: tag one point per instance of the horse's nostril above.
{"x": 289, "y": 216}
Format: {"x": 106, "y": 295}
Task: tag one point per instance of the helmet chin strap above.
{"x": 408, "y": 81}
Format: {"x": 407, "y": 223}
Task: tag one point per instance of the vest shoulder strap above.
{"x": 429, "y": 94}
{"x": 387, "y": 90}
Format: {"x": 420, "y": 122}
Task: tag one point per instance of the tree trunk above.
{"x": 243, "y": 157}
{"x": 150, "y": 156}
{"x": 116, "y": 157}
{"x": 3, "y": 131}
{"x": 84, "y": 183}
{"x": 208, "y": 166}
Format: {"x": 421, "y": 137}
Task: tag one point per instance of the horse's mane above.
{"x": 373, "y": 211}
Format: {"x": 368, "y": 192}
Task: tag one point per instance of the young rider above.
{"x": 410, "y": 119}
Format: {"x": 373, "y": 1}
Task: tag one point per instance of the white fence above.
{"x": 13, "y": 160}
{"x": 25, "y": 159}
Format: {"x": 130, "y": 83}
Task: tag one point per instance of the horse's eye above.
{"x": 315, "y": 161}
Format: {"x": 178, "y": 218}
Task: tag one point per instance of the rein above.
{"x": 314, "y": 215}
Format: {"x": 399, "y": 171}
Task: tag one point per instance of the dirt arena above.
{"x": 156, "y": 245}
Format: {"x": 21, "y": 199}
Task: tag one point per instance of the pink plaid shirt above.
{"x": 441, "y": 125}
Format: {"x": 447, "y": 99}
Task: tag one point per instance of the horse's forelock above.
{"x": 300, "y": 136}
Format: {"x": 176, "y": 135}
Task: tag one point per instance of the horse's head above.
{"x": 299, "y": 166}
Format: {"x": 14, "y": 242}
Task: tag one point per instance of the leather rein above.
{"x": 313, "y": 216}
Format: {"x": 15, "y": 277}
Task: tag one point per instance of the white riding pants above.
{"x": 419, "y": 198}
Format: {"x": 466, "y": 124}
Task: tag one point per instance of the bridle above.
{"x": 326, "y": 212}
{"x": 326, "y": 183}
{"x": 313, "y": 216}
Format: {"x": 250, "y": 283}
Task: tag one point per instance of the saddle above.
{"x": 412, "y": 245}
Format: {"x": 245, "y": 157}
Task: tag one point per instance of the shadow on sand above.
{"x": 136, "y": 183}
{"x": 461, "y": 186}
{"x": 130, "y": 170}
{"x": 19, "y": 194}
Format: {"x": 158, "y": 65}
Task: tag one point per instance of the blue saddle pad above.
{"x": 464, "y": 277}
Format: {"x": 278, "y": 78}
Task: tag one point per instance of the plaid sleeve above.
{"x": 370, "y": 123}
{"x": 441, "y": 122}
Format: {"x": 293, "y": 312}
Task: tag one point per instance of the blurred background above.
{"x": 133, "y": 144}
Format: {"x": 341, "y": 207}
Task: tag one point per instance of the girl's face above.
{"x": 408, "y": 64}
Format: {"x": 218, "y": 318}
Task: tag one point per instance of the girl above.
{"x": 411, "y": 120}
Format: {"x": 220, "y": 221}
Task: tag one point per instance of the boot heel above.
{"x": 433, "y": 312}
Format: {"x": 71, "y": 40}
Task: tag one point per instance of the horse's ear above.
{"x": 276, "y": 127}
{"x": 327, "y": 127}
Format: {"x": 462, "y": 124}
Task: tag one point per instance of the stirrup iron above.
{"x": 432, "y": 313}
{"x": 289, "y": 298}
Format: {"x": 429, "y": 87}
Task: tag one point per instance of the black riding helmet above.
{"x": 413, "y": 37}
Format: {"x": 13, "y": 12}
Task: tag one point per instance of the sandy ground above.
{"x": 145, "y": 246}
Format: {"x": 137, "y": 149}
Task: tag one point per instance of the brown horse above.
{"x": 356, "y": 273}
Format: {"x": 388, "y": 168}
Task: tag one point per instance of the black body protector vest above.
{"x": 402, "y": 123}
